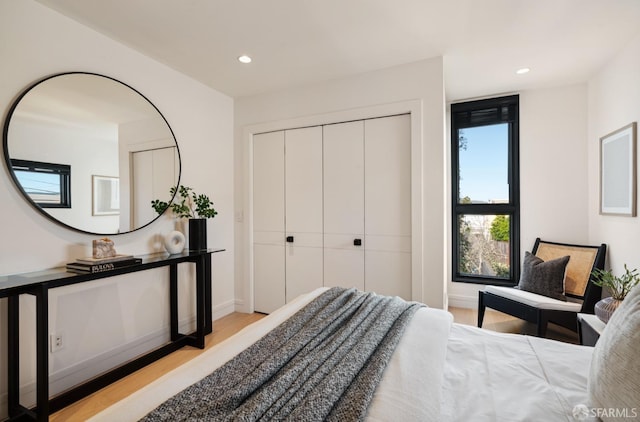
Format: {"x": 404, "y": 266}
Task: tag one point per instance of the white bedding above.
{"x": 493, "y": 376}
{"x": 440, "y": 371}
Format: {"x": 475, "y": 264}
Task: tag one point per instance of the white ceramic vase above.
{"x": 174, "y": 242}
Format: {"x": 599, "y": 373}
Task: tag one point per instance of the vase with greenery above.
{"x": 197, "y": 208}
{"x": 619, "y": 287}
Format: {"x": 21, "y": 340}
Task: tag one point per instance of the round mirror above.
{"x": 90, "y": 152}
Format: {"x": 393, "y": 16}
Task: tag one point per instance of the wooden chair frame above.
{"x": 541, "y": 317}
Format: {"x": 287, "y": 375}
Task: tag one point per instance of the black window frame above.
{"x": 63, "y": 170}
{"x": 483, "y": 113}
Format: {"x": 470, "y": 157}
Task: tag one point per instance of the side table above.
{"x": 589, "y": 329}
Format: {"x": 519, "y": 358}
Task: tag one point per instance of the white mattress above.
{"x": 439, "y": 372}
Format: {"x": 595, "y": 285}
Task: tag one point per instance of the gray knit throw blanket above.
{"x": 323, "y": 363}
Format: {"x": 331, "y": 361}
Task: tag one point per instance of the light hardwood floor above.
{"x": 83, "y": 409}
{"x": 497, "y": 321}
{"x": 230, "y": 324}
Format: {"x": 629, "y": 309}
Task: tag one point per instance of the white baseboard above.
{"x": 80, "y": 372}
{"x": 242, "y": 306}
{"x": 463, "y": 301}
{"x": 223, "y": 309}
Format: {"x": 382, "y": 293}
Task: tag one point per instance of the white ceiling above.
{"x": 85, "y": 100}
{"x": 298, "y": 42}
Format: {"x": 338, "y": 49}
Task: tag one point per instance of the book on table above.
{"x": 81, "y": 267}
{"x": 91, "y": 260}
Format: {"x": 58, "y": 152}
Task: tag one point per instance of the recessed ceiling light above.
{"x": 523, "y": 71}
{"x": 244, "y": 59}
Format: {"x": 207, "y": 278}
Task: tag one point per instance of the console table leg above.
{"x": 208, "y": 306}
{"x": 42, "y": 352}
{"x": 201, "y": 300}
{"x": 13, "y": 355}
{"x": 173, "y": 300}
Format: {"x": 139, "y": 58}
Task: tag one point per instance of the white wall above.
{"x": 113, "y": 313}
{"x": 421, "y": 82}
{"x": 553, "y": 175}
{"x": 614, "y": 101}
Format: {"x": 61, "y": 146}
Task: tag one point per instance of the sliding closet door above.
{"x": 268, "y": 222}
{"x": 387, "y": 152}
{"x": 303, "y": 210}
{"x": 332, "y": 207}
{"x": 344, "y": 205}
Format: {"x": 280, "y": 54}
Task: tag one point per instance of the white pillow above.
{"x": 614, "y": 378}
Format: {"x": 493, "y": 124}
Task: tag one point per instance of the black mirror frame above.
{"x": 16, "y": 182}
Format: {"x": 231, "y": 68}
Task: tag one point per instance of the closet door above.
{"x": 343, "y": 204}
{"x": 268, "y": 222}
{"x": 387, "y": 153}
{"x": 303, "y": 210}
{"x": 154, "y": 171}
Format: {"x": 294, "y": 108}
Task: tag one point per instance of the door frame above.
{"x": 414, "y": 109}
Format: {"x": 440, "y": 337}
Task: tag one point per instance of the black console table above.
{"x": 38, "y": 285}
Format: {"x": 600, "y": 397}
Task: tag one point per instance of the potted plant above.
{"x": 197, "y": 208}
{"x": 617, "y": 286}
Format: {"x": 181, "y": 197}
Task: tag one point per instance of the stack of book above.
{"x": 91, "y": 265}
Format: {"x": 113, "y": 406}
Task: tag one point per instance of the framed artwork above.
{"x": 618, "y": 172}
{"x": 105, "y": 195}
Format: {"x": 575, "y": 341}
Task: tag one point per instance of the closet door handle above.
{"x": 290, "y": 239}
{"x": 357, "y": 242}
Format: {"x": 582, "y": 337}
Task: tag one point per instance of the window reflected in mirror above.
{"x": 47, "y": 184}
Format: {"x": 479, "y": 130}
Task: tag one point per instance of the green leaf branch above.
{"x": 618, "y": 286}
{"x": 186, "y": 204}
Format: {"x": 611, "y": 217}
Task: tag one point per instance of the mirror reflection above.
{"x": 91, "y": 153}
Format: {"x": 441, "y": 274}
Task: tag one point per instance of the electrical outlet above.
{"x": 56, "y": 342}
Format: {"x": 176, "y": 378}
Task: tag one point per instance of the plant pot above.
{"x": 605, "y": 308}
{"x": 197, "y": 234}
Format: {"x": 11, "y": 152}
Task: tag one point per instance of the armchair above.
{"x": 581, "y": 294}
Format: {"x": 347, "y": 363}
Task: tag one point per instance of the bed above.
{"x": 439, "y": 371}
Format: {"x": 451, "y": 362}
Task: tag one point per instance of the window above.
{"x": 47, "y": 184}
{"x": 485, "y": 191}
